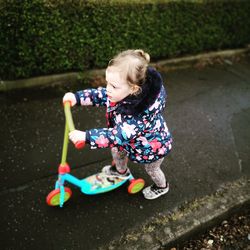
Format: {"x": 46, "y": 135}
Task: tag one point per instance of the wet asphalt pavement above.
{"x": 208, "y": 113}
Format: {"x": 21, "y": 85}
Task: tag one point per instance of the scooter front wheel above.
{"x": 53, "y": 198}
{"x": 136, "y": 186}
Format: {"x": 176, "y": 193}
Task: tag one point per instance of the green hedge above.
{"x": 47, "y": 36}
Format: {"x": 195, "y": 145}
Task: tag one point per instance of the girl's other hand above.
{"x": 70, "y": 97}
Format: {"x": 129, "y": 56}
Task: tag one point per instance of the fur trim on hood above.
{"x": 134, "y": 105}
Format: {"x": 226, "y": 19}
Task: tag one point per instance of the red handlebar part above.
{"x": 64, "y": 102}
{"x": 64, "y": 168}
{"x": 80, "y": 144}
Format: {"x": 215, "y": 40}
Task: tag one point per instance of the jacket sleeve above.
{"x": 120, "y": 135}
{"x": 91, "y": 97}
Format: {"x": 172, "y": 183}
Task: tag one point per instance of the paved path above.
{"x": 208, "y": 113}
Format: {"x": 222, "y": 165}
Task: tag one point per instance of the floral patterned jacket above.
{"x": 135, "y": 124}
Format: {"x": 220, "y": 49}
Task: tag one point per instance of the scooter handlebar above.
{"x": 70, "y": 123}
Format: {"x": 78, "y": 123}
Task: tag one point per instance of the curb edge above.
{"x": 164, "y": 230}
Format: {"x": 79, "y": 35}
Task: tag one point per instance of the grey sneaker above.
{"x": 111, "y": 171}
{"x": 153, "y": 192}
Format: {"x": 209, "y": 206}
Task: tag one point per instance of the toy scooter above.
{"x": 94, "y": 184}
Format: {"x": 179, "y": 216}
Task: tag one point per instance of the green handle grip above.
{"x": 68, "y": 116}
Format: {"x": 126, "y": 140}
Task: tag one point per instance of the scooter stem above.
{"x": 68, "y": 116}
{"x": 69, "y": 126}
{"x": 65, "y": 144}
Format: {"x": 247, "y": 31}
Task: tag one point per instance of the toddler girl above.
{"x": 135, "y": 98}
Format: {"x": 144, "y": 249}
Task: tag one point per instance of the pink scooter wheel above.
{"x": 135, "y": 186}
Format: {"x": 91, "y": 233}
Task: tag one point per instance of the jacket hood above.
{"x": 151, "y": 88}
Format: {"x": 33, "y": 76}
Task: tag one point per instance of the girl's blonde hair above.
{"x": 133, "y": 66}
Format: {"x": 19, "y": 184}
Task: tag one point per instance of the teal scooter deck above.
{"x": 101, "y": 183}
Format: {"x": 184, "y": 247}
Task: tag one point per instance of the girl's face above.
{"x": 117, "y": 86}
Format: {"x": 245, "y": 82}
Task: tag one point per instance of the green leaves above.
{"x": 41, "y": 37}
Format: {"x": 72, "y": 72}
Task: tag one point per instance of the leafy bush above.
{"x": 54, "y": 36}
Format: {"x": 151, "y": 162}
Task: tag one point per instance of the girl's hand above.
{"x": 77, "y": 136}
{"x": 70, "y": 97}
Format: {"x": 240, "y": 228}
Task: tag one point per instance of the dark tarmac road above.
{"x": 208, "y": 113}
